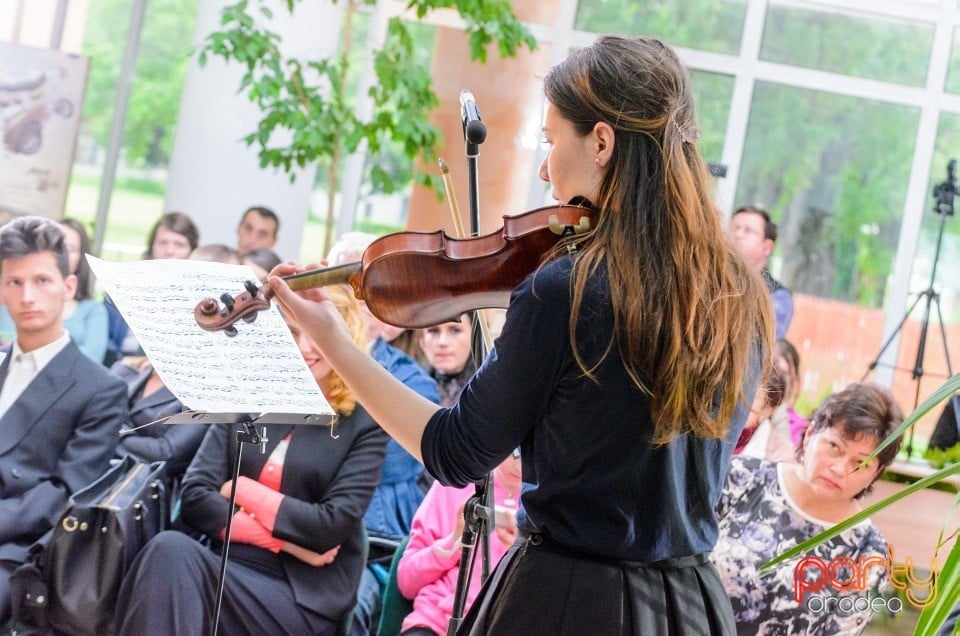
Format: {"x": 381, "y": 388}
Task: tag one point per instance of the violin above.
{"x": 420, "y": 279}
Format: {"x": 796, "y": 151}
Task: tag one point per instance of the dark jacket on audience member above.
{"x": 174, "y": 443}
{"x": 56, "y": 438}
{"x": 328, "y": 477}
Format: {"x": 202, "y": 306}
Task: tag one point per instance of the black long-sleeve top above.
{"x": 593, "y": 481}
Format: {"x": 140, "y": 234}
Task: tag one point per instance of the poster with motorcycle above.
{"x": 41, "y": 94}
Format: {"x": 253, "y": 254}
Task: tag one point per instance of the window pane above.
{"x": 165, "y": 47}
{"x": 874, "y": 48}
{"x": 712, "y": 93}
{"x": 711, "y": 25}
{"x": 953, "y": 70}
{"x": 833, "y": 172}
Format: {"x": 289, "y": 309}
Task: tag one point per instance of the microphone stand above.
{"x": 478, "y": 510}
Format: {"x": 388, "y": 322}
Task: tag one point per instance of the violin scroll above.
{"x": 212, "y": 316}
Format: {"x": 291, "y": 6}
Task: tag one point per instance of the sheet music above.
{"x": 258, "y": 370}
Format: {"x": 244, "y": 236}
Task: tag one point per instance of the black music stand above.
{"x": 250, "y": 434}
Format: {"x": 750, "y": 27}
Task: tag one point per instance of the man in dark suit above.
{"x": 60, "y": 412}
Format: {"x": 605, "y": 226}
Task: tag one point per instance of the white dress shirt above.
{"x": 24, "y": 367}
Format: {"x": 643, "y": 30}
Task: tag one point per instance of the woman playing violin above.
{"x": 623, "y": 372}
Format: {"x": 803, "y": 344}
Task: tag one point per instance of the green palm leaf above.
{"x": 948, "y": 593}
{"x": 948, "y": 388}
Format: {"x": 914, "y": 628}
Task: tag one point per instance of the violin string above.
{"x": 458, "y": 228}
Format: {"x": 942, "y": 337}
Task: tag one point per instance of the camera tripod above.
{"x": 944, "y": 195}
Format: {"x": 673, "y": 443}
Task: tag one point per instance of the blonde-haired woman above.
{"x": 296, "y": 551}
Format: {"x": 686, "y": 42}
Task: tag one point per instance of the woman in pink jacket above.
{"x": 429, "y": 566}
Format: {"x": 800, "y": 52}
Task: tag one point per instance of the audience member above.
{"x": 754, "y": 234}
{"x": 297, "y": 547}
{"x": 777, "y": 436}
{"x": 144, "y": 435}
{"x": 767, "y": 508}
{"x": 397, "y": 497}
{"x": 261, "y": 260}
{"x": 408, "y": 341}
{"x": 258, "y": 228}
{"x": 787, "y": 361}
{"x": 448, "y": 350}
{"x": 429, "y": 566}
{"x": 174, "y": 235}
{"x": 217, "y": 253}
{"x": 767, "y": 398}
{"x": 84, "y": 318}
{"x": 60, "y": 412}
{"x": 946, "y": 432}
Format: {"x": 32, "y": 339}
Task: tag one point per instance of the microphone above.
{"x": 473, "y": 129}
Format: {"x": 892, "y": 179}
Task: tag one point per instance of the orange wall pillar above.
{"x": 509, "y": 96}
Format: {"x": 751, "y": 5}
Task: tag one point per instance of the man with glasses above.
{"x": 754, "y": 235}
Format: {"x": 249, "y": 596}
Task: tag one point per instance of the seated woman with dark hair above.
{"x": 173, "y": 235}
{"x": 144, "y": 435}
{"x": 297, "y": 548}
{"x": 766, "y": 509}
{"x": 448, "y": 349}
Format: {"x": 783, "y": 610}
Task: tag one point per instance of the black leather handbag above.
{"x": 94, "y": 543}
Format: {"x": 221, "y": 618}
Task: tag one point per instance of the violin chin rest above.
{"x": 560, "y": 229}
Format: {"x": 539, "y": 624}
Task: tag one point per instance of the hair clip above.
{"x": 684, "y": 136}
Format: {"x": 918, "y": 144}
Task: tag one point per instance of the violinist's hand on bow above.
{"x": 312, "y": 308}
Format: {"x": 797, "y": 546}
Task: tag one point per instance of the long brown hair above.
{"x": 688, "y": 311}
{"x": 84, "y": 274}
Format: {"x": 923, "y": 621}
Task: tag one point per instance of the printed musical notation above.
{"x": 260, "y": 370}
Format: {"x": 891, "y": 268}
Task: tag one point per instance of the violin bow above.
{"x": 460, "y": 233}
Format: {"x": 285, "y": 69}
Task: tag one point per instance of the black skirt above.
{"x": 540, "y": 588}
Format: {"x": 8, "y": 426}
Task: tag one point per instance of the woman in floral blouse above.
{"x": 768, "y": 508}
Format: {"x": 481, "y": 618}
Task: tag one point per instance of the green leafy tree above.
{"x": 161, "y": 65}
{"x": 310, "y": 101}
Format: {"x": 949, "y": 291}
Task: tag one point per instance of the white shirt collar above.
{"x": 44, "y": 354}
